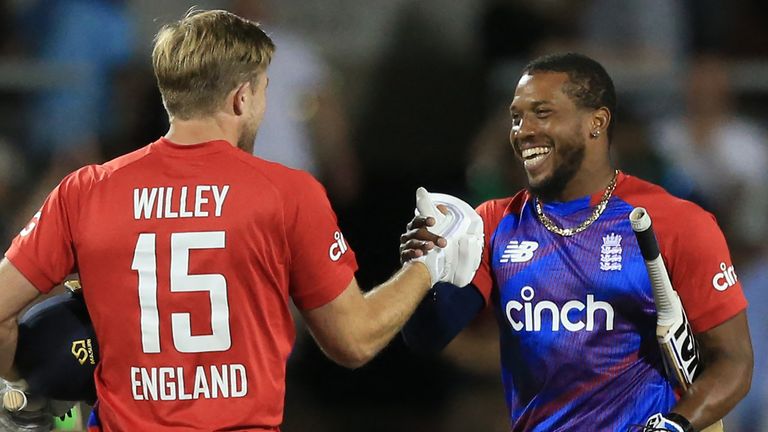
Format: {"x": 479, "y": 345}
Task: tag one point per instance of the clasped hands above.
{"x": 446, "y": 235}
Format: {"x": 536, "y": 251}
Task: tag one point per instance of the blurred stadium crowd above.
{"x": 377, "y": 98}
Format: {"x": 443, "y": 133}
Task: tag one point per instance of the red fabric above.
{"x": 694, "y": 251}
{"x": 279, "y": 240}
{"x": 492, "y": 212}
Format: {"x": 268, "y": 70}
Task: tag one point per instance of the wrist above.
{"x": 11, "y": 375}
{"x": 422, "y": 272}
{"x": 684, "y": 423}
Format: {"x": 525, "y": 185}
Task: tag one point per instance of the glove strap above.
{"x": 682, "y": 421}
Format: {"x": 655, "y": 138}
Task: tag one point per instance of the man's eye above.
{"x": 543, "y": 112}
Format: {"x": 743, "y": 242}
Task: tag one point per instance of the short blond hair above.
{"x": 201, "y": 58}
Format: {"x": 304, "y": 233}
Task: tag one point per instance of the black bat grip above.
{"x": 646, "y": 239}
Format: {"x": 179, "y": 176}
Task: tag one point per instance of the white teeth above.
{"x": 535, "y": 151}
{"x": 534, "y": 160}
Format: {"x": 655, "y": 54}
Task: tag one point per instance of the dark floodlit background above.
{"x": 377, "y": 98}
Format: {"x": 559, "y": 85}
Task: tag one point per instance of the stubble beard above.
{"x": 571, "y": 156}
{"x": 247, "y": 139}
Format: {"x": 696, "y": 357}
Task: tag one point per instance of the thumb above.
{"x": 426, "y": 206}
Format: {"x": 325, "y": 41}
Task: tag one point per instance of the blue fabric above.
{"x": 443, "y": 313}
{"x": 577, "y": 322}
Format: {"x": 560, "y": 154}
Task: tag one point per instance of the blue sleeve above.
{"x": 443, "y": 313}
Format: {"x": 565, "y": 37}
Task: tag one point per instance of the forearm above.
{"x": 8, "y": 338}
{"x": 389, "y": 305}
{"x": 16, "y": 292}
{"x": 725, "y": 380}
{"x": 353, "y": 327}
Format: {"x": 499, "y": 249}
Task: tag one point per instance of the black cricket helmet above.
{"x": 57, "y": 351}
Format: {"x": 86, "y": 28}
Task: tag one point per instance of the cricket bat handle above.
{"x": 668, "y": 305}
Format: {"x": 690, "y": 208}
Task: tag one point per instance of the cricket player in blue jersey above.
{"x": 562, "y": 270}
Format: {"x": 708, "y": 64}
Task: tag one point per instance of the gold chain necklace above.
{"x": 567, "y": 232}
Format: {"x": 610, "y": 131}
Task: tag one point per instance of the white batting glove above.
{"x": 671, "y": 423}
{"x": 462, "y": 229}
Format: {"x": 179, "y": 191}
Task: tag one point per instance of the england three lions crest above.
{"x": 610, "y": 253}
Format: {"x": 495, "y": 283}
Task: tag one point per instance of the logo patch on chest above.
{"x": 518, "y": 252}
{"x": 610, "y": 253}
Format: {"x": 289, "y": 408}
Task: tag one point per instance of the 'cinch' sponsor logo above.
{"x": 725, "y": 279}
{"x": 528, "y": 315}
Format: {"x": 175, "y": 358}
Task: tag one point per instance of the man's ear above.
{"x": 600, "y": 120}
{"x": 241, "y": 95}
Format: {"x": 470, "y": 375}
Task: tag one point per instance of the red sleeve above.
{"x": 491, "y": 212}
{"x": 43, "y": 251}
{"x": 700, "y": 267}
{"x": 322, "y": 263}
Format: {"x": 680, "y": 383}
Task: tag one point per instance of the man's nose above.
{"x": 527, "y": 127}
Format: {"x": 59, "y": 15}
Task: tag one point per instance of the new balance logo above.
{"x": 519, "y": 251}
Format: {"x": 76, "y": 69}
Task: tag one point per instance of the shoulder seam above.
{"x": 284, "y": 237}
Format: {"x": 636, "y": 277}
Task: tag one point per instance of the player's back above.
{"x": 183, "y": 256}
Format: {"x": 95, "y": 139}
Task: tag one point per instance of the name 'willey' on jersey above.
{"x": 171, "y": 203}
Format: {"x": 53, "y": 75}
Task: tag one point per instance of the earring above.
{"x": 595, "y": 134}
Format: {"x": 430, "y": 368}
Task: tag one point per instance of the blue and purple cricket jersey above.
{"x": 576, "y": 314}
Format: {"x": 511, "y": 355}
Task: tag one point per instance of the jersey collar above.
{"x": 166, "y": 146}
{"x": 564, "y": 208}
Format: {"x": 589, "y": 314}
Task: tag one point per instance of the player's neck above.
{"x": 199, "y": 130}
{"x": 587, "y": 182}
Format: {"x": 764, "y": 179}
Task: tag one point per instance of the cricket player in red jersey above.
{"x": 190, "y": 249}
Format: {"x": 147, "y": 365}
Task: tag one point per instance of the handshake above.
{"x": 446, "y": 235}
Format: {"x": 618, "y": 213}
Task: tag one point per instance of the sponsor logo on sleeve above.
{"x": 518, "y": 252}
{"x": 338, "y": 247}
{"x": 725, "y": 279}
{"x": 31, "y": 225}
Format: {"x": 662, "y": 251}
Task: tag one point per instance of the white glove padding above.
{"x": 462, "y": 229}
{"x": 658, "y": 422}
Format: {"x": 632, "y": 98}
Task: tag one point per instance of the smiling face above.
{"x": 549, "y": 132}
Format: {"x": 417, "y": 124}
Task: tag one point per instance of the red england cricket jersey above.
{"x": 189, "y": 256}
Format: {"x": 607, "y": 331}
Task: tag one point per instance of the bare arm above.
{"x": 727, "y": 363}
{"x": 16, "y": 292}
{"x": 354, "y": 327}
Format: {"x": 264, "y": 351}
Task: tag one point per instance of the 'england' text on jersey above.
{"x": 168, "y": 383}
{"x": 171, "y": 203}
